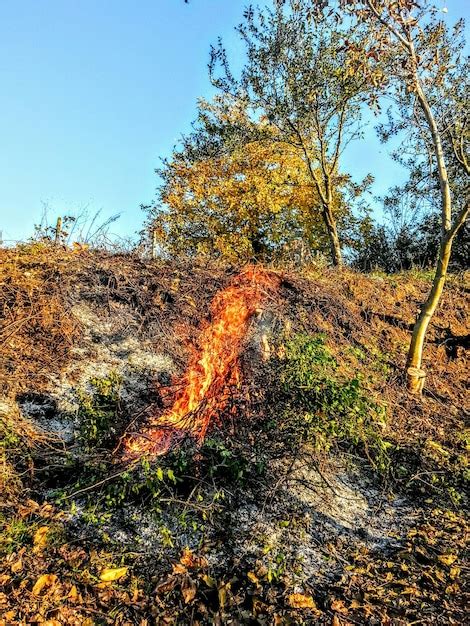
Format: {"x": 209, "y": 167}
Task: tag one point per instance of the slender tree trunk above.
{"x": 335, "y": 247}
{"x": 414, "y": 373}
{"x": 58, "y": 231}
{"x": 153, "y": 250}
{"x": 415, "y": 376}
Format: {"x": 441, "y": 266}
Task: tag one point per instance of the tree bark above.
{"x": 415, "y": 375}
{"x": 335, "y": 247}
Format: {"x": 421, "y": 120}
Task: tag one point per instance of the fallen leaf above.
{"x": 190, "y": 560}
{"x": 338, "y": 606}
{"x": 253, "y": 578}
{"x": 166, "y": 586}
{"x": 46, "y": 580}
{"x": 17, "y": 566}
{"x": 179, "y": 568}
{"x": 188, "y": 589}
{"x": 222, "y": 592}
{"x": 300, "y": 601}
{"x": 447, "y": 559}
{"x": 73, "y": 594}
{"x": 411, "y": 591}
{"x": 115, "y": 573}
{"x": 28, "y": 507}
{"x": 40, "y": 538}
{"x": 9, "y": 615}
{"x": 210, "y": 582}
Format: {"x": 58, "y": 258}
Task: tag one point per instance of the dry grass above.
{"x": 18, "y": 438}
{"x": 36, "y": 331}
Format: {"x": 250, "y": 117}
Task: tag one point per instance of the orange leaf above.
{"x": 338, "y": 605}
{"x": 178, "y": 568}
{"x": 299, "y": 601}
{"x": 190, "y": 560}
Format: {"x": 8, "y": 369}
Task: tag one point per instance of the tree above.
{"x": 248, "y": 202}
{"x": 301, "y": 77}
{"x": 424, "y": 70}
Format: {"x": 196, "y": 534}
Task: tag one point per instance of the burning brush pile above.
{"x": 204, "y": 444}
{"x": 213, "y": 374}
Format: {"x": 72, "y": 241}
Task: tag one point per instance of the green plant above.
{"x": 98, "y": 409}
{"x": 222, "y": 462}
{"x": 321, "y": 406}
{"x": 15, "y": 533}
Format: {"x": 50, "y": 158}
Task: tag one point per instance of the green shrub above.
{"x": 98, "y": 409}
{"x": 322, "y": 407}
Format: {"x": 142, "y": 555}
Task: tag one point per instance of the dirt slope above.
{"x": 272, "y": 520}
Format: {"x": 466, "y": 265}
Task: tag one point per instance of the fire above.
{"x": 213, "y": 370}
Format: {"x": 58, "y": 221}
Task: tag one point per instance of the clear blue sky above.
{"x": 93, "y": 92}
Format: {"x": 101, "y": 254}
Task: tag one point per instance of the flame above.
{"x": 213, "y": 371}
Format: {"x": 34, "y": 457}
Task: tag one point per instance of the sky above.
{"x": 95, "y": 92}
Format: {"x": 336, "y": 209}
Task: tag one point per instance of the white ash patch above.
{"x": 110, "y": 345}
{"x": 308, "y": 521}
{"x": 59, "y": 427}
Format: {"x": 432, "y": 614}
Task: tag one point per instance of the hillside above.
{"x": 322, "y": 492}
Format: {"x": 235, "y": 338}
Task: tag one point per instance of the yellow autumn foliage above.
{"x": 245, "y": 204}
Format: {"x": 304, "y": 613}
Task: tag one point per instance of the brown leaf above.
{"x": 223, "y": 592}
{"x": 188, "y": 589}
{"x": 25, "y": 509}
{"x": 166, "y": 586}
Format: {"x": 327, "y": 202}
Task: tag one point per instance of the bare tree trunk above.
{"x": 335, "y": 247}
{"x": 449, "y": 227}
{"x": 415, "y": 375}
{"x": 153, "y": 250}
{"x": 58, "y": 231}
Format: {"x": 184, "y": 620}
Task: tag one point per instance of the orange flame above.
{"x": 212, "y": 372}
